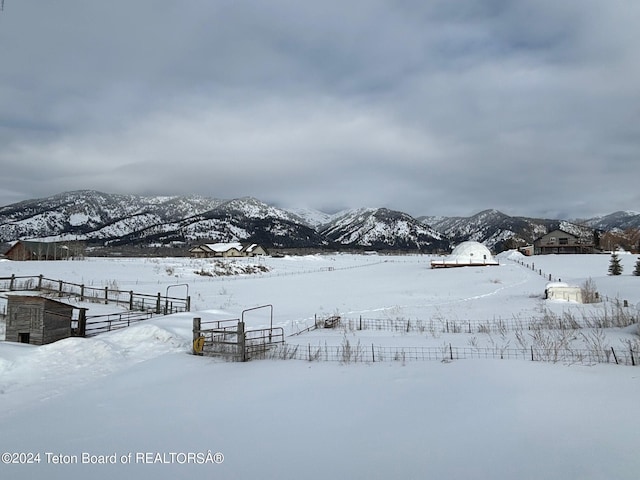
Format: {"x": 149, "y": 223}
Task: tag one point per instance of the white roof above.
{"x": 474, "y": 251}
{"x": 471, "y": 252}
{"x": 468, "y": 253}
{"x": 224, "y": 247}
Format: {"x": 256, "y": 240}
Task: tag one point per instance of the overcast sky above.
{"x": 435, "y": 107}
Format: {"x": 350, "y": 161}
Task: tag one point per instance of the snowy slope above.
{"x": 380, "y": 227}
{"x": 617, "y": 221}
{"x": 498, "y": 231}
{"x": 311, "y": 217}
{"x": 88, "y": 214}
{"x": 99, "y": 218}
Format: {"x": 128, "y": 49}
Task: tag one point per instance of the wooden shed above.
{"x": 37, "y": 320}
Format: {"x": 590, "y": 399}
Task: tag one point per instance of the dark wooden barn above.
{"x": 27, "y": 250}
{"x": 37, "y": 320}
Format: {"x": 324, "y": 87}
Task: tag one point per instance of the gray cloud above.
{"x": 427, "y": 107}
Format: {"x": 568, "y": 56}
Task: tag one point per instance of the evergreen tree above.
{"x": 615, "y": 268}
{"x": 636, "y": 271}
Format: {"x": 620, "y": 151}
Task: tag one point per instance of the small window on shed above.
{"x": 563, "y": 240}
{"x": 552, "y": 240}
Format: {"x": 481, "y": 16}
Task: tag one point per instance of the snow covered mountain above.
{"x": 134, "y": 220}
{"x": 617, "y": 221}
{"x": 115, "y": 220}
{"x": 87, "y": 214}
{"x": 383, "y": 228}
{"x": 311, "y": 217}
{"x": 499, "y": 231}
{"x": 245, "y": 219}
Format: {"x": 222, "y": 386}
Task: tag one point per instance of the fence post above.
{"x": 106, "y": 295}
{"x": 450, "y": 352}
{"x": 188, "y": 304}
{"x": 633, "y": 360}
{"x": 373, "y": 353}
{"x": 82, "y": 322}
{"x": 360, "y": 326}
{"x": 82, "y": 292}
{"x": 13, "y": 279}
{"x": 158, "y": 308}
{"x": 196, "y": 334}
{"x": 40, "y": 282}
{"x": 615, "y": 357}
{"x": 532, "y": 353}
{"x": 242, "y": 352}
{"x": 130, "y": 299}
{"x": 59, "y": 288}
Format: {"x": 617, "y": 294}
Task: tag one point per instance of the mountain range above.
{"x": 109, "y": 220}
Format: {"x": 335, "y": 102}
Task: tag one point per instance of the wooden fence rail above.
{"x": 159, "y": 304}
{"x": 106, "y": 323}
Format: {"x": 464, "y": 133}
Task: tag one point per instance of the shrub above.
{"x": 589, "y": 291}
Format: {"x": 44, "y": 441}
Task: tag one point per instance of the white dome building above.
{"x": 467, "y": 254}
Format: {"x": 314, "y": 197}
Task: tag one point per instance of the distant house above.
{"x": 253, "y": 250}
{"x": 561, "y": 242}
{"x": 232, "y": 249}
{"x": 527, "y": 250}
{"x": 37, "y": 320}
{"x": 28, "y": 250}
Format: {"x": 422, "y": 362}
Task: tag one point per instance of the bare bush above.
{"x": 589, "y": 291}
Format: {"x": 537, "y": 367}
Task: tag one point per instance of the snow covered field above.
{"x": 137, "y": 398}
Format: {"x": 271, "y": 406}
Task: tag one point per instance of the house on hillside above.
{"x": 561, "y": 242}
{"x": 28, "y": 250}
{"x": 232, "y": 249}
{"x": 37, "y": 320}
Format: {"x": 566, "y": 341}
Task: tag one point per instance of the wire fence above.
{"x": 613, "y": 317}
{"x": 358, "y": 353}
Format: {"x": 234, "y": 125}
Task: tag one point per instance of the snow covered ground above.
{"x": 136, "y": 397}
